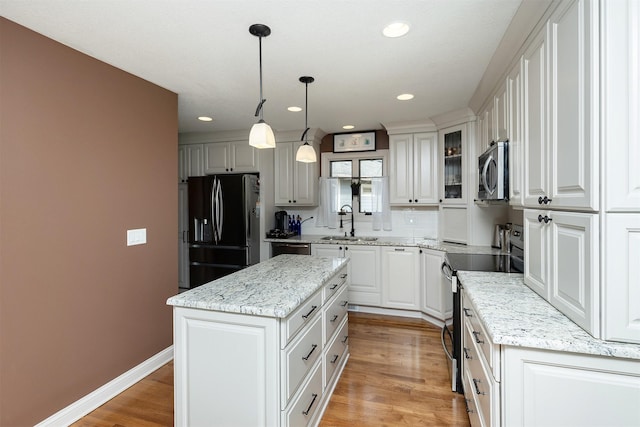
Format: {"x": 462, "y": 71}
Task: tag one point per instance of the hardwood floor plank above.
{"x": 397, "y": 375}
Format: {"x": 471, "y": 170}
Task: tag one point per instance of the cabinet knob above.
{"x": 416, "y": 200}
{"x": 294, "y": 201}
{"x": 545, "y": 218}
{"x": 289, "y": 201}
{"x": 440, "y": 200}
{"x": 410, "y": 200}
{"x": 544, "y": 200}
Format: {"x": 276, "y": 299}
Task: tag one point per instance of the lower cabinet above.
{"x": 436, "y": 296}
{"x": 400, "y": 277}
{"x": 517, "y": 386}
{"x": 245, "y": 370}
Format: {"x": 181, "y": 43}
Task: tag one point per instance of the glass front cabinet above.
{"x": 453, "y": 174}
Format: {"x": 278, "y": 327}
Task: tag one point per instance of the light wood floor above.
{"x": 397, "y": 375}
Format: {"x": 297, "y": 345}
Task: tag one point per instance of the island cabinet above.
{"x": 247, "y": 353}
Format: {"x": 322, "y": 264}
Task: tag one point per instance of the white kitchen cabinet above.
{"x": 414, "y": 169}
{"x": 561, "y": 263}
{"x": 364, "y": 270}
{"x": 183, "y": 236}
{"x": 453, "y": 224}
{"x": 621, "y": 295}
{"x": 500, "y": 111}
{"x": 514, "y": 133}
{"x": 436, "y": 295}
{"x": 230, "y": 157}
{"x": 400, "y": 277}
{"x": 190, "y": 161}
{"x": 295, "y": 182}
{"x": 547, "y": 388}
{"x": 453, "y": 171}
{"x": 561, "y": 112}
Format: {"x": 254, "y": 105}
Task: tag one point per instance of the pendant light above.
{"x": 306, "y": 153}
{"x": 261, "y": 135}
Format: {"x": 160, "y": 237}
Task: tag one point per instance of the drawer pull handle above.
{"x": 335, "y": 358}
{"x": 343, "y": 276}
{"x": 334, "y": 287}
{"x": 467, "y": 311}
{"x": 466, "y": 403}
{"x": 335, "y": 317}
{"x": 315, "y": 396}
{"x": 305, "y": 316}
{"x": 346, "y": 338}
{"x": 313, "y": 348}
{"x": 399, "y": 249}
{"x": 476, "y": 334}
{"x": 344, "y": 303}
{"x": 466, "y": 353}
{"x": 475, "y": 385}
{"x": 545, "y": 218}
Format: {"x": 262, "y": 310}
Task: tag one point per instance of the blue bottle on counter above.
{"x": 292, "y": 226}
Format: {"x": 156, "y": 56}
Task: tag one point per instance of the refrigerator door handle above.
{"x": 220, "y": 210}
{"x": 214, "y": 208}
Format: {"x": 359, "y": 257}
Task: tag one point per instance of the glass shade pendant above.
{"x": 261, "y": 135}
{"x": 306, "y": 153}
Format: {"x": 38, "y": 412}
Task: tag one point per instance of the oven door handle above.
{"x": 446, "y": 331}
{"x": 446, "y": 270}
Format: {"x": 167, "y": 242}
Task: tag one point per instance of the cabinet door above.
{"x": 536, "y": 248}
{"x": 514, "y": 133}
{"x": 364, "y": 267}
{"x": 621, "y": 295}
{"x": 401, "y": 169}
{"x": 283, "y": 173}
{"x": 244, "y": 158}
{"x": 534, "y": 125}
{"x": 217, "y": 157}
{"x": 305, "y": 186}
{"x": 400, "y": 278}
{"x": 183, "y": 236}
{"x": 425, "y": 168}
{"x": 500, "y": 113}
{"x": 191, "y": 162}
{"x": 573, "y": 128}
{"x": 453, "y": 224}
{"x": 574, "y": 268}
{"x": 453, "y": 177}
{"x": 437, "y": 298}
{"x": 327, "y": 250}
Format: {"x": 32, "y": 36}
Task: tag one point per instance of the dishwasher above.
{"x": 279, "y": 248}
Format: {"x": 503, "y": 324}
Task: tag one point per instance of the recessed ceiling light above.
{"x": 294, "y": 109}
{"x": 205, "y": 119}
{"x": 348, "y": 127}
{"x": 405, "y": 97}
{"x": 396, "y": 29}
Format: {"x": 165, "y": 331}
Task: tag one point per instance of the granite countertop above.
{"x": 425, "y": 243}
{"x": 272, "y": 288}
{"x": 514, "y": 315}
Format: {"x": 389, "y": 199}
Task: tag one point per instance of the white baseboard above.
{"x": 398, "y": 312}
{"x": 96, "y": 398}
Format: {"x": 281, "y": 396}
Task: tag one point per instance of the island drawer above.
{"x": 304, "y": 406}
{"x": 299, "y": 357}
{"x": 480, "y": 338}
{"x": 334, "y": 284}
{"x": 336, "y": 352}
{"x": 303, "y": 314}
{"x": 335, "y": 312}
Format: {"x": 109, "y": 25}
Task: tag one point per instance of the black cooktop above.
{"x": 485, "y": 262}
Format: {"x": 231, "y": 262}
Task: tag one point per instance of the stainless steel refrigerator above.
{"x": 224, "y": 229}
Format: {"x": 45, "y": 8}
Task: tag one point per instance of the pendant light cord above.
{"x": 261, "y": 101}
{"x": 306, "y": 109}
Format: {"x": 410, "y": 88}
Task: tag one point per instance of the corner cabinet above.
{"x": 414, "y": 169}
{"x": 400, "y": 277}
{"x": 230, "y": 157}
{"x": 436, "y": 296}
{"x": 296, "y": 183}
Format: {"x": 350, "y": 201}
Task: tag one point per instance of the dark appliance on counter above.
{"x": 510, "y": 260}
{"x": 282, "y": 221}
{"x": 224, "y": 228}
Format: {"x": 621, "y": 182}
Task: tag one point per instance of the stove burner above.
{"x": 279, "y": 234}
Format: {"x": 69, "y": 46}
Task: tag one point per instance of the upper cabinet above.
{"x": 514, "y": 133}
{"x": 190, "y": 162}
{"x": 453, "y": 145}
{"x": 230, "y": 157}
{"x": 296, "y": 183}
{"x": 414, "y": 169}
{"x": 560, "y": 112}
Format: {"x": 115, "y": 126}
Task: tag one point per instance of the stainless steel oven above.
{"x": 510, "y": 262}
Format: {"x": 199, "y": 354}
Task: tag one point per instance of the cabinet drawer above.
{"x": 335, "y": 312}
{"x": 482, "y": 387}
{"x": 472, "y": 410}
{"x": 337, "y": 351}
{"x": 479, "y": 337}
{"x": 299, "y": 357}
{"x": 298, "y": 318}
{"x": 334, "y": 284}
{"x": 304, "y": 407}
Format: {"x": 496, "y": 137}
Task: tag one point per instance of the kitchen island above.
{"x": 264, "y": 346}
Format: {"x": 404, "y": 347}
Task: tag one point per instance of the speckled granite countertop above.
{"x": 393, "y": 241}
{"x": 514, "y": 315}
{"x": 272, "y": 288}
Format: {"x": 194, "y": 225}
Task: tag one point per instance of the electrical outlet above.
{"x": 137, "y": 236}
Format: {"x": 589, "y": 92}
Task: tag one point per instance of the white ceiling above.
{"x": 203, "y": 51}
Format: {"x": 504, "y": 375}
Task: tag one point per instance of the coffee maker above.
{"x": 282, "y": 221}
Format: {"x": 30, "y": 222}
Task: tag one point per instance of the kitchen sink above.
{"x": 349, "y": 238}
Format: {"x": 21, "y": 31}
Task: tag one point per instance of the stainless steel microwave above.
{"x": 493, "y": 172}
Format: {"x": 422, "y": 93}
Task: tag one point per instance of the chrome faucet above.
{"x": 353, "y": 231}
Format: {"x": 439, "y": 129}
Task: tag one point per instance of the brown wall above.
{"x": 87, "y": 151}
